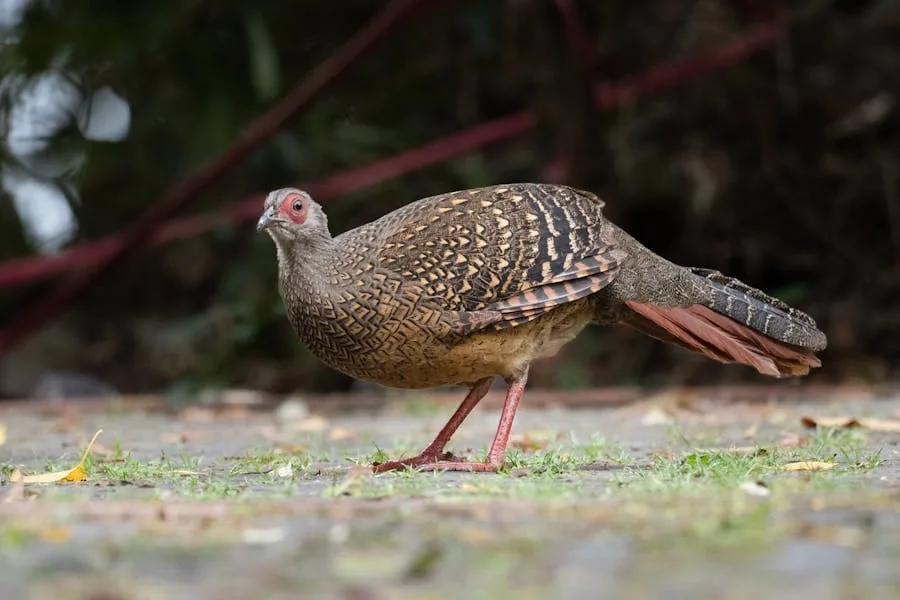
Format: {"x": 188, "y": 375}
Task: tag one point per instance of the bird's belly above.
{"x": 502, "y": 353}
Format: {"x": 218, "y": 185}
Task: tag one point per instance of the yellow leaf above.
{"x": 807, "y": 465}
{"x": 2, "y": 433}
{"x": 76, "y": 473}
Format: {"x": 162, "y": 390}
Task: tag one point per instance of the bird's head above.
{"x": 291, "y": 216}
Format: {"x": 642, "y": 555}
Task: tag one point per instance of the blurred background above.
{"x": 721, "y": 133}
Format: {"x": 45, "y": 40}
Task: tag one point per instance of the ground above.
{"x": 675, "y": 495}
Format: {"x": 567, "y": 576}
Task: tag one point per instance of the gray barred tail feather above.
{"x": 759, "y": 311}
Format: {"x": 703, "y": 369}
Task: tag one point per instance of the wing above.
{"x": 483, "y": 249}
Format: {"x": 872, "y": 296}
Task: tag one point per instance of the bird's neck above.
{"x": 307, "y": 263}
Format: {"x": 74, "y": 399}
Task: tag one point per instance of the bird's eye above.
{"x": 298, "y": 205}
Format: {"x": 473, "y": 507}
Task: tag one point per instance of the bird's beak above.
{"x": 265, "y": 219}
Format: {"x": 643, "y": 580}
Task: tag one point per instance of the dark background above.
{"x": 781, "y": 169}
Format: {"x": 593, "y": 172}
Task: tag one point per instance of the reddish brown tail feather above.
{"x": 705, "y": 331}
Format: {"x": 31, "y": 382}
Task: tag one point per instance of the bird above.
{"x": 467, "y": 286}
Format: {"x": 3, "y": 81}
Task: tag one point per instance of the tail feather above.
{"x": 757, "y": 310}
{"x": 724, "y": 339}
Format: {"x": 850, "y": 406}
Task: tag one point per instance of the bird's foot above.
{"x": 419, "y": 461}
{"x": 445, "y": 461}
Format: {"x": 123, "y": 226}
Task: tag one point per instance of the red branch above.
{"x": 188, "y": 190}
{"x": 666, "y": 75}
{"x": 680, "y": 70}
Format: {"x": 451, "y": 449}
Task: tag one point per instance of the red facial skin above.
{"x": 294, "y": 207}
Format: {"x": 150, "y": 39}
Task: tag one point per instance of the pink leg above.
{"x": 497, "y": 452}
{"x": 435, "y": 450}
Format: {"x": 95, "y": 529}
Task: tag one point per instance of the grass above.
{"x": 700, "y": 470}
{"x": 546, "y": 467}
{"x": 596, "y": 468}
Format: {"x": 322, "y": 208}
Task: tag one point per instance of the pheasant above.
{"x": 460, "y": 288}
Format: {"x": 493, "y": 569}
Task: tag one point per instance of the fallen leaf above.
{"x": 341, "y": 433}
{"x": 76, "y": 473}
{"x": 808, "y": 465}
{"x": 872, "y": 424}
{"x": 56, "y": 535}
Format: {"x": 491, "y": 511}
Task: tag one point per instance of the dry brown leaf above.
{"x": 813, "y": 422}
{"x": 76, "y": 473}
{"x": 341, "y": 433}
{"x": 872, "y": 424}
{"x": 808, "y": 465}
